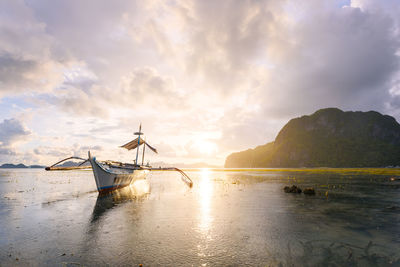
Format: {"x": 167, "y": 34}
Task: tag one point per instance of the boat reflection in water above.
{"x": 135, "y": 191}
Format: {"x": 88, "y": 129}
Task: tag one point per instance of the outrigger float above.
{"x": 111, "y": 175}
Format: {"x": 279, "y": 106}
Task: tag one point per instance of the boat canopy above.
{"x": 134, "y": 144}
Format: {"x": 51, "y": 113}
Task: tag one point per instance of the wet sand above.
{"x": 227, "y": 218}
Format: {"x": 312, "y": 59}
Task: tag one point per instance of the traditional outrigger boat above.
{"x": 111, "y": 175}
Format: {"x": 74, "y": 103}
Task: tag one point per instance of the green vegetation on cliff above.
{"x": 328, "y": 138}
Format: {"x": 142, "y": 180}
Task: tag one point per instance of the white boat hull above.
{"x": 110, "y": 178}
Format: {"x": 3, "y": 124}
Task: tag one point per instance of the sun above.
{"x": 205, "y": 147}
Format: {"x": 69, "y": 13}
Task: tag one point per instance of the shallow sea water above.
{"x": 228, "y": 218}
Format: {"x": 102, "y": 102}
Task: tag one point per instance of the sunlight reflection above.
{"x": 205, "y": 195}
{"x": 140, "y": 187}
{"x": 137, "y": 189}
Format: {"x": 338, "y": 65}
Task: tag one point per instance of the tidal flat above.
{"x": 230, "y": 217}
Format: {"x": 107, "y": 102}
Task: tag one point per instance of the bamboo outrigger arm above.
{"x": 63, "y": 168}
{"x": 185, "y": 178}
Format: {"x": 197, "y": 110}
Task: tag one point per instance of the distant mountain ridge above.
{"x": 328, "y": 138}
{"x": 20, "y": 166}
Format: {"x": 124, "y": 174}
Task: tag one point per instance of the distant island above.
{"x": 328, "y": 138}
{"x": 20, "y": 166}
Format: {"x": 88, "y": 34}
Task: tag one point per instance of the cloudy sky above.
{"x": 205, "y": 78}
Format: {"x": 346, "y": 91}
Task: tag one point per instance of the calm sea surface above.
{"x": 227, "y": 218}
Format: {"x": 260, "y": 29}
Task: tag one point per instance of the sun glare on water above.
{"x": 140, "y": 187}
{"x": 205, "y": 219}
{"x": 205, "y": 196}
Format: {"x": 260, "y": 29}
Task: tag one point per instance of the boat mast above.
{"x": 137, "y": 151}
{"x": 144, "y": 146}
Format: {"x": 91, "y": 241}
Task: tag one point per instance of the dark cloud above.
{"x": 52, "y": 151}
{"x": 19, "y": 75}
{"x": 11, "y": 131}
{"x": 26, "y": 59}
{"x": 147, "y": 85}
{"x": 226, "y": 38}
{"x": 345, "y": 57}
{"x": 15, "y": 70}
{"x": 62, "y": 152}
{"x": 94, "y": 32}
{"x": 7, "y": 151}
{"x": 141, "y": 88}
